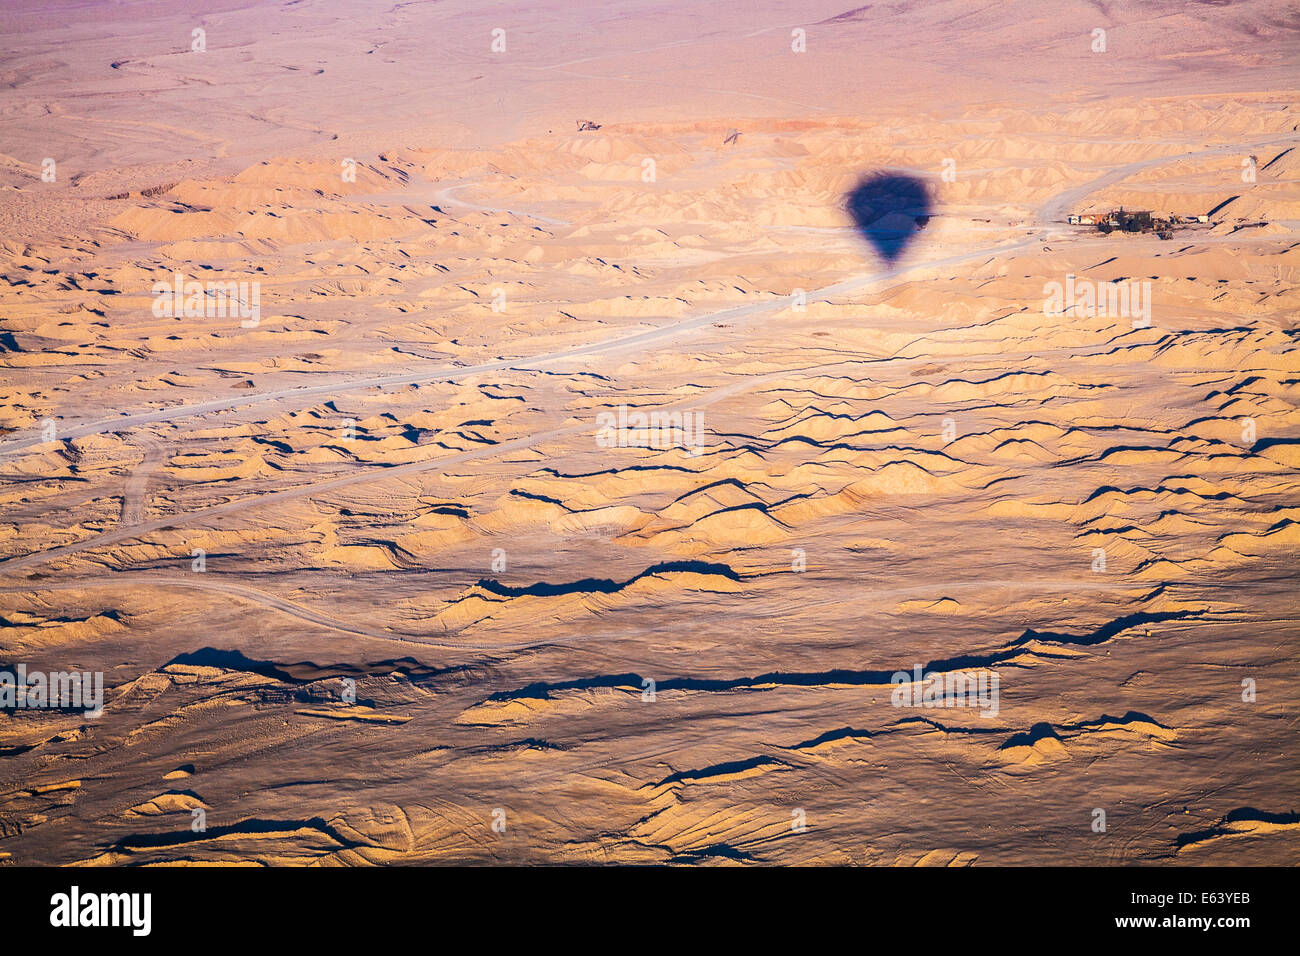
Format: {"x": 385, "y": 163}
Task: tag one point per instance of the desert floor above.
{"x": 365, "y": 583}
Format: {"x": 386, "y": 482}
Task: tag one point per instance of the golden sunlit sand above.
{"x": 368, "y": 583}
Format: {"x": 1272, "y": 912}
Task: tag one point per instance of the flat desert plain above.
{"x": 649, "y": 432}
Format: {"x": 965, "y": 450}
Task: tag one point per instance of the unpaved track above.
{"x": 639, "y": 342}
{"x": 134, "y": 496}
{"x": 1050, "y": 211}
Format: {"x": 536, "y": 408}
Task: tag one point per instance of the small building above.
{"x": 1132, "y": 221}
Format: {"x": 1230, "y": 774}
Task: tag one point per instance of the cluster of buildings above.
{"x": 1136, "y": 220}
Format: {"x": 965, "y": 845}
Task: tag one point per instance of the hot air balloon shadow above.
{"x": 889, "y": 210}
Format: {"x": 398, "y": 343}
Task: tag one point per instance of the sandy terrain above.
{"x": 377, "y": 571}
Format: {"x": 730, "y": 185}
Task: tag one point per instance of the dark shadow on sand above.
{"x": 889, "y": 209}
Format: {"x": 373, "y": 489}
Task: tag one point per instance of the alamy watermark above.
{"x": 977, "y": 689}
{"x": 655, "y": 429}
{"x": 21, "y": 689}
{"x": 1121, "y": 300}
{"x": 209, "y": 300}
{"x": 74, "y": 909}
